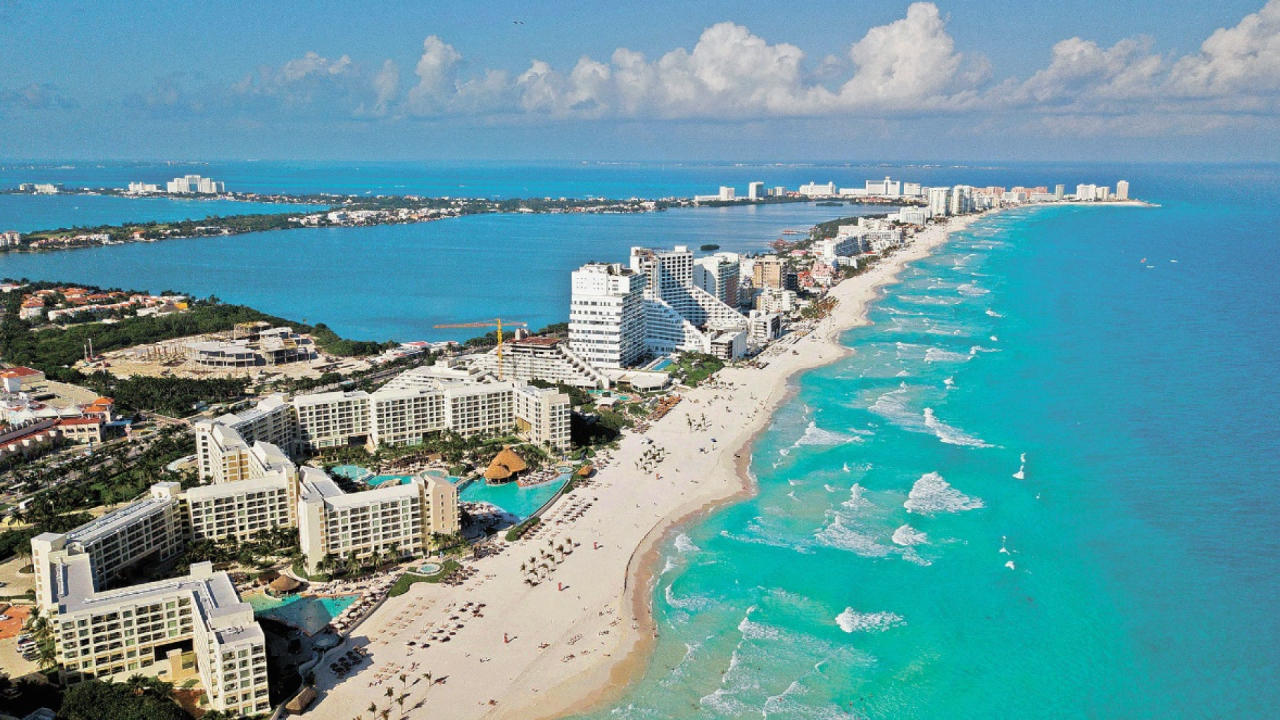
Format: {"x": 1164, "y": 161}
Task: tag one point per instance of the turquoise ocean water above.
{"x": 901, "y": 560}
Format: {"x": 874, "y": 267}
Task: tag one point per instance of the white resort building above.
{"x": 607, "y": 315}
{"x": 117, "y": 633}
{"x": 391, "y": 518}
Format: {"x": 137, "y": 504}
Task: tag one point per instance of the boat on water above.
{"x": 830, "y": 203}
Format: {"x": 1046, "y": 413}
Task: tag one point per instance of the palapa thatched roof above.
{"x": 285, "y": 584}
{"x": 301, "y": 701}
{"x": 506, "y": 464}
{"x": 585, "y": 471}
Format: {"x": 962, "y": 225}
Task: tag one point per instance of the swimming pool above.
{"x": 351, "y": 472}
{"x": 393, "y": 479}
{"x": 521, "y": 502}
{"x": 306, "y": 612}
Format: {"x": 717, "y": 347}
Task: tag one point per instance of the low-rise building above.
{"x": 542, "y": 358}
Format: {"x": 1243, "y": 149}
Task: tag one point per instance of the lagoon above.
{"x": 397, "y": 281}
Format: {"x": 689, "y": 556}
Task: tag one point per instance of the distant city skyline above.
{"x": 570, "y": 80}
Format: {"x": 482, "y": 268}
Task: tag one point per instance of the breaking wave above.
{"x": 931, "y": 495}
{"x": 851, "y": 621}
{"x": 684, "y": 544}
{"x": 938, "y": 355}
{"x": 949, "y": 434}
{"x": 814, "y": 435}
{"x": 971, "y": 290}
{"x": 908, "y": 536}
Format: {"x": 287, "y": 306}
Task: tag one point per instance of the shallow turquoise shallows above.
{"x": 308, "y": 613}
{"x": 1043, "y": 487}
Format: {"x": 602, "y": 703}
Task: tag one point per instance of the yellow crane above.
{"x": 496, "y": 322}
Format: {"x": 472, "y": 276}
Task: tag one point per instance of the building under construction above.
{"x": 251, "y": 345}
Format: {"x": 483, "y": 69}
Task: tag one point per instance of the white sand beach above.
{"x": 578, "y": 639}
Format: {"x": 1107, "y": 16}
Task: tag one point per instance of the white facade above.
{"x": 813, "y": 189}
{"x": 606, "y": 315}
{"x": 194, "y": 184}
{"x": 726, "y": 193}
{"x": 541, "y": 358}
{"x": 720, "y": 276}
{"x": 679, "y": 315}
{"x": 1122, "y": 190}
{"x": 961, "y": 200}
{"x": 755, "y": 190}
{"x": 117, "y": 633}
{"x": 391, "y": 518}
{"x": 940, "y": 201}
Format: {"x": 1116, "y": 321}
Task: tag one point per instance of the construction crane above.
{"x": 496, "y": 322}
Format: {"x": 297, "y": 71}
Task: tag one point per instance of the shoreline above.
{"x": 582, "y": 636}
{"x": 615, "y": 680}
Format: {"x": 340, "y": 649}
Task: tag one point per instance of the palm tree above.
{"x": 373, "y": 708}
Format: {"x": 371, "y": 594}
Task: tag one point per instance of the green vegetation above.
{"x": 52, "y": 349}
{"x": 108, "y": 477}
{"x": 408, "y": 579}
{"x": 178, "y": 397}
{"x": 139, "y": 698}
{"x": 262, "y": 550}
{"x": 693, "y": 368}
{"x": 828, "y": 229}
{"x": 211, "y": 225}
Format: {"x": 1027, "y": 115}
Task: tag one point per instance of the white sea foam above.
{"x": 1022, "y": 468}
{"x": 837, "y": 534}
{"x": 668, "y": 566}
{"x": 995, "y": 338}
{"x": 684, "y": 544}
{"x": 752, "y": 630}
{"x": 949, "y": 434}
{"x": 852, "y": 621}
{"x": 934, "y": 355}
{"x": 928, "y": 299}
{"x": 949, "y": 383}
{"x": 692, "y": 602}
{"x": 856, "y": 499}
{"x": 830, "y": 489}
{"x": 971, "y": 290}
{"x": 993, "y": 313}
{"x": 1010, "y": 565}
{"x": 893, "y": 406}
{"x": 908, "y": 536}
{"x": 814, "y": 435}
{"x": 931, "y": 495}
{"x": 758, "y": 535}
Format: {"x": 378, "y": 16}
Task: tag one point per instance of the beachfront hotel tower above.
{"x": 679, "y": 315}
{"x": 607, "y": 315}
{"x": 719, "y": 275}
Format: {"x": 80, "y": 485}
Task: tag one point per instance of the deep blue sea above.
{"x": 1042, "y": 486}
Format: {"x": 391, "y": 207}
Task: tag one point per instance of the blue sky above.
{"x": 659, "y": 80}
